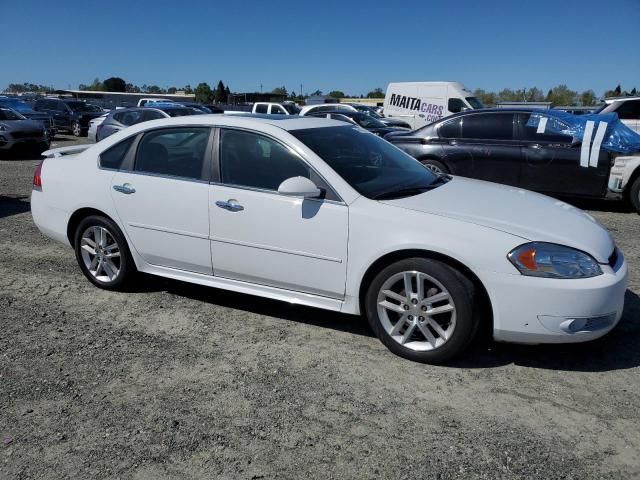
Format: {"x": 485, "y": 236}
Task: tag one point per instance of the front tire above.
{"x": 422, "y": 310}
{"x": 102, "y": 253}
{"x": 634, "y": 194}
{"x": 435, "y": 166}
{"x": 76, "y": 129}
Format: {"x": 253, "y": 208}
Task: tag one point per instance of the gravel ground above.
{"x": 180, "y": 381}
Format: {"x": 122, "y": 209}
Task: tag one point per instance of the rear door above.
{"x": 551, "y": 162}
{"x": 489, "y": 139}
{"x": 455, "y": 154}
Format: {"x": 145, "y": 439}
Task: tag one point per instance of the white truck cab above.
{"x": 269, "y": 108}
{"x": 421, "y": 103}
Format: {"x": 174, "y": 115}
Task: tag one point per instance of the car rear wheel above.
{"x": 422, "y": 309}
{"x": 435, "y": 166}
{"x": 76, "y": 129}
{"x": 634, "y": 194}
{"x": 103, "y": 254}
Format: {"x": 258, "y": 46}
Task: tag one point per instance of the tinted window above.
{"x": 451, "y": 129}
{"x": 177, "y": 152}
{"x": 371, "y": 165}
{"x": 178, "y": 112}
{"x": 455, "y": 105}
{"x": 629, "y": 110}
{"x": 496, "y": 126}
{"x": 128, "y": 118}
{"x": 113, "y": 157}
{"x": 252, "y": 160}
{"x": 151, "y": 115}
{"x": 262, "y": 108}
{"x": 531, "y": 132}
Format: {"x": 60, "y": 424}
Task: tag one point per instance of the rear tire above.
{"x": 434, "y": 322}
{"x": 76, "y": 130}
{"x": 634, "y": 194}
{"x": 103, "y": 254}
{"x": 435, "y": 166}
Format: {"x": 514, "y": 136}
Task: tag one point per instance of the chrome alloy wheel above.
{"x": 416, "y": 310}
{"x": 77, "y": 130}
{"x": 434, "y": 168}
{"x": 100, "y": 253}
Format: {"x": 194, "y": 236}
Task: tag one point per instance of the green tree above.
{"x": 588, "y": 98}
{"x": 534, "y": 94}
{"x": 280, "y": 91}
{"x": 131, "y": 88}
{"x": 172, "y": 90}
{"x": 317, "y": 92}
{"x": 488, "y": 99}
{"x": 203, "y": 93}
{"x": 337, "y": 94}
{"x": 115, "y": 84}
{"x": 187, "y": 89}
{"x": 562, "y": 95}
{"x": 508, "y": 95}
{"x": 376, "y": 93}
{"x": 220, "y": 95}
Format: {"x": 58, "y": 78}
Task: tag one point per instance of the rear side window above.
{"x": 530, "y": 132}
{"x": 451, "y": 129}
{"x": 261, "y": 108}
{"x": 176, "y": 152}
{"x": 128, "y": 118}
{"x": 496, "y": 126}
{"x": 113, "y": 157}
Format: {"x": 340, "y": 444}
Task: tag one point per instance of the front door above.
{"x": 162, "y": 199}
{"x": 261, "y": 236}
{"x": 554, "y": 163}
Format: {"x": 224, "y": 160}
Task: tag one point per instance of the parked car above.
{"x": 92, "y": 133}
{"x": 69, "y": 115}
{"x": 263, "y": 108}
{"x": 325, "y": 107}
{"x": 24, "y": 109}
{"x": 502, "y": 145}
{"x": 144, "y": 101}
{"x": 368, "y": 229}
{"x": 362, "y": 119}
{"x": 120, "y": 119}
{"x": 18, "y": 131}
{"x": 373, "y": 111}
{"x": 196, "y": 106}
{"x": 627, "y": 109}
{"x": 421, "y": 103}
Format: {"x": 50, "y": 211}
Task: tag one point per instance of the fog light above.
{"x": 573, "y": 325}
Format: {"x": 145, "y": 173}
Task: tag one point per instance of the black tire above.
{"x": 127, "y": 268}
{"x": 435, "y": 165}
{"x": 76, "y": 129}
{"x": 634, "y": 194}
{"x": 462, "y": 294}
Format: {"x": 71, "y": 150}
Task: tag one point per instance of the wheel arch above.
{"x": 484, "y": 301}
{"x": 78, "y": 216}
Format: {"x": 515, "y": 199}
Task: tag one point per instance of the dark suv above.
{"x": 70, "y": 115}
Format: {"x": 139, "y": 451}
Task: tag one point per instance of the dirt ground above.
{"x": 176, "y": 381}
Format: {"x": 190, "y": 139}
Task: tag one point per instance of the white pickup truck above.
{"x": 267, "y": 108}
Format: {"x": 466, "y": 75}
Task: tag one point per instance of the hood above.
{"x": 519, "y": 212}
{"x": 20, "y": 125}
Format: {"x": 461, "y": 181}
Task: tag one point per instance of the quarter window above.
{"x": 530, "y": 132}
{"x": 252, "y": 160}
{"x": 113, "y": 157}
{"x": 498, "y": 126}
{"x": 451, "y": 129}
{"x": 177, "y": 152}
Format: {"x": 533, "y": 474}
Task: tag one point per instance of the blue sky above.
{"x": 353, "y": 46}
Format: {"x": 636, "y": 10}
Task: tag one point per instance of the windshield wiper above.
{"x": 410, "y": 190}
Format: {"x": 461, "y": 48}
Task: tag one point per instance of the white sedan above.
{"x": 321, "y": 213}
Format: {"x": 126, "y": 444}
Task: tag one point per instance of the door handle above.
{"x": 231, "y": 205}
{"x": 453, "y": 142}
{"x": 535, "y": 146}
{"x": 125, "y": 188}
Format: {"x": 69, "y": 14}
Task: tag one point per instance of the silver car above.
{"x": 18, "y": 131}
{"x": 120, "y": 119}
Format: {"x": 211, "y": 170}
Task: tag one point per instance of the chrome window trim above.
{"x": 274, "y": 192}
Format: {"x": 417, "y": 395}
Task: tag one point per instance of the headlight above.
{"x": 549, "y": 260}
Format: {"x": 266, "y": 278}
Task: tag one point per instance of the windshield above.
{"x": 83, "y": 107}
{"x": 371, "y": 165}
{"x": 367, "y": 121}
{"x": 8, "y": 114}
{"x": 16, "y": 105}
{"x": 474, "y": 102}
{"x": 292, "y": 109}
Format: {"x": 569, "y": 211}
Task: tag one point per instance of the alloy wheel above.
{"x": 416, "y": 310}
{"x": 100, "y": 253}
{"x": 433, "y": 168}
{"x": 76, "y": 129}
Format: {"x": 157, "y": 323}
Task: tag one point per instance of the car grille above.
{"x": 27, "y": 134}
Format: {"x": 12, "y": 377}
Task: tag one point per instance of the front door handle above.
{"x": 125, "y": 188}
{"x": 231, "y": 205}
{"x": 453, "y": 142}
{"x": 535, "y": 146}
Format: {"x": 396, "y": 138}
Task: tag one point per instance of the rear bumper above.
{"x": 51, "y": 221}
{"x": 543, "y": 310}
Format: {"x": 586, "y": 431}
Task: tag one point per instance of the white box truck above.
{"x": 421, "y": 103}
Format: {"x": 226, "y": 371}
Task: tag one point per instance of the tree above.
{"x": 203, "y": 93}
{"x": 562, "y": 95}
{"x": 534, "y": 94}
{"x": 280, "y": 91}
{"x": 317, "y": 92}
{"x": 508, "y": 95}
{"x": 131, "y": 88}
{"x": 633, "y": 92}
{"x": 172, "y": 90}
{"x": 489, "y": 99}
{"x": 337, "y": 94}
{"x": 376, "y": 93}
{"x": 115, "y": 84}
{"x": 588, "y": 98}
{"x": 618, "y": 90}
{"x": 154, "y": 89}
{"x": 220, "y": 95}
{"x": 187, "y": 89}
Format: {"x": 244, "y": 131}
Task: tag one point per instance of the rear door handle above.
{"x": 453, "y": 142}
{"x": 125, "y": 188}
{"x": 535, "y": 146}
{"x": 231, "y": 205}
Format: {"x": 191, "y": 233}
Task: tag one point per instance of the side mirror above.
{"x": 299, "y": 187}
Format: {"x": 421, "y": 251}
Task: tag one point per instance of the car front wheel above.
{"x": 435, "y": 166}
{"x": 103, "y": 254}
{"x": 422, "y": 309}
{"x": 76, "y": 129}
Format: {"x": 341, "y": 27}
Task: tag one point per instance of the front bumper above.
{"x": 7, "y": 142}
{"x": 545, "y": 310}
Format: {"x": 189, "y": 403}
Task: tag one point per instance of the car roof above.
{"x": 611, "y": 100}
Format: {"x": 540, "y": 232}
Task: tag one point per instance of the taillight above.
{"x": 37, "y": 176}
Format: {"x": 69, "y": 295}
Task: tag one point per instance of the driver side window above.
{"x": 255, "y": 161}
